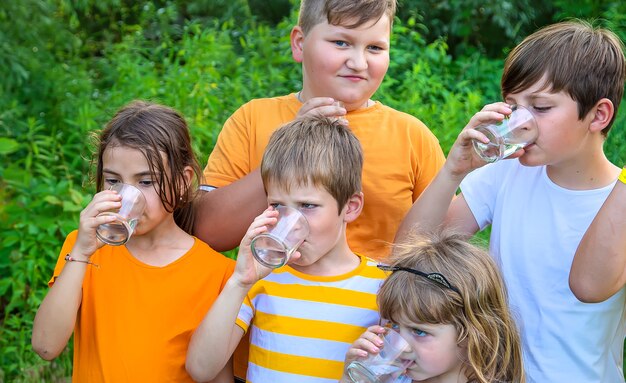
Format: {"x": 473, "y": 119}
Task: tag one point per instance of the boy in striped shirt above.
{"x": 302, "y": 317}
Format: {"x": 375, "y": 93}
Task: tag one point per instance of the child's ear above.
{"x": 297, "y": 39}
{"x": 188, "y": 175}
{"x": 353, "y": 207}
{"x": 602, "y": 114}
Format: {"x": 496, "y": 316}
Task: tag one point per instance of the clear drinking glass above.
{"x": 385, "y": 367}
{"x": 119, "y": 231}
{"x": 516, "y": 131}
{"x": 274, "y": 247}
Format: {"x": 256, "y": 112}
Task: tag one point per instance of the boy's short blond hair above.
{"x": 317, "y": 150}
{"x": 584, "y": 61}
{"x": 341, "y": 12}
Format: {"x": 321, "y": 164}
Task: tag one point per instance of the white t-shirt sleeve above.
{"x": 481, "y": 189}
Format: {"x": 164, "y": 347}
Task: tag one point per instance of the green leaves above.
{"x": 8, "y": 145}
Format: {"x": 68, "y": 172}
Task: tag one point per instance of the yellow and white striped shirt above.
{"x": 302, "y": 325}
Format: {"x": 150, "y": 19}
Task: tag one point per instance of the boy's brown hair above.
{"x": 340, "y": 12}
{"x": 314, "y": 149}
{"x": 585, "y": 62}
{"x": 461, "y": 286}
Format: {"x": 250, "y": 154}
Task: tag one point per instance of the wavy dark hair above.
{"x": 162, "y": 135}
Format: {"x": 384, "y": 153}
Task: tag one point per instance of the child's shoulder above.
{"x": 370, "y": 268}
{"x": 207, "y": 254}
{"x": 365, "y": 271}
{"x": 392, "y": 118}
{"x": 269, "y": 102}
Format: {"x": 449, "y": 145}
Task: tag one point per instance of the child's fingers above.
{"x": 500, "y": 107}
{"x": 484, "y": 117}
{"x": 315, "y": 103}
{"x": 372, "y": 338}
{"x": 252, "y": 232}
{"x": 103, "y": 206}
{"x": 329, "y": 111}
{"x": 326, "y": 107}
{"x": 376, "y": 329}
{"x": 264, "y": 220}
{"x": 104, "y": 196}
{"x": 101, "y": 202}
{"x": 490, "y": 113}
{"x": 367, "y": 345}
{"x": 260, "y": 225}
{"x": 93, "y": 222}
{"x": 355, "y": 353}
{"x": 269, "y": 216}
{"x": 468, "y": 135}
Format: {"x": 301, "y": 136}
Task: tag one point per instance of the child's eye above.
{"x": 418, "y": 332}
{"x": 146, "y": 182}
{"x": 541, "y": 109}
{"x": 110, "y": 181}
{"x": 393, "y": 326}
{"x": 308, "y": 206}
{"x": 275, "y": 205}
{"x": 340, "y": 43}
{"x": 375, "y": 48}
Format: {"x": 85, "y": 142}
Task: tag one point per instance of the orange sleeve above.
{"x": 67, "y": 247}
{"x": 430, "y": 160}
{"x": 229, "y": 160}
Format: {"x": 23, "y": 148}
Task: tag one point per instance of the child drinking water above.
{"x": 132, "y": 308}
{"x": 446, "y": 297}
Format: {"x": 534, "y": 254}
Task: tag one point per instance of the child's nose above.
{"x": 357, "y": 61}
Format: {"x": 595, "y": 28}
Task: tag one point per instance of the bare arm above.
{"x": 218, "y": 330}
{"x": 599, "y": 266}
{"x": 437, "y": 206}
{"x": 226, "y": 375}
{"x": 56, "y": 316}
{"x": 224, "y": 214}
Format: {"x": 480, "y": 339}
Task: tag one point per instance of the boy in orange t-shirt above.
{"x": 344, "y": 50}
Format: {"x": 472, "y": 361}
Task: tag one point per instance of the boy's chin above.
{"x": 527, "y": 160}
{"x": 304, "y": 260}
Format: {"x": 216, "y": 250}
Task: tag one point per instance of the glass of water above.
{"x": 516, "y": 131}
{"x": 385, "y": 367}
{"x": 274, "y": 247}
{"x": 119, "y": 231}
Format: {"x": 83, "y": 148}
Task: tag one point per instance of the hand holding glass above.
{"x": 274, "y": 247}
{"x": 385, "y": 367}
{"x": 516, "y": 131}
{"x": 119, "y": 231}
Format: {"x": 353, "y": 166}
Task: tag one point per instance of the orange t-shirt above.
{"x": 401, "y": 157}
{"x": 135, "y": 320}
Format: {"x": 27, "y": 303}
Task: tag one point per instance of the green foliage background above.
{"x": 66, "y": 66}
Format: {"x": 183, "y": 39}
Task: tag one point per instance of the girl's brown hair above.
{"x": 475, "y": 303}
{"x": 161, "y": 134}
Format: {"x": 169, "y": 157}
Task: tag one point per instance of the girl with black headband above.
{"x": 446, "y": 297}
